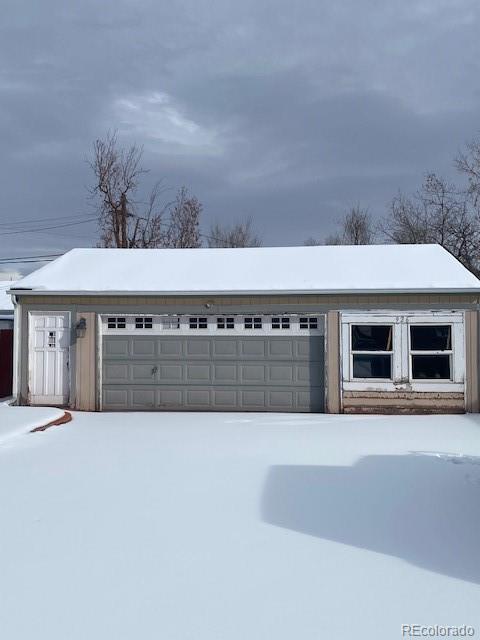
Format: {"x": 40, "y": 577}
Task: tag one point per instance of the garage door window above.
{"x": 116, "y": 323}
{"x": 170, "y": 322}
{"x": 281, "y": 322}
{"x": 252, "y": 323}
{"x": 143, "y": 323}
{"x": 198, "y": 323}
{"x": 308, "y": 323}
{"x": 225, "y": 323}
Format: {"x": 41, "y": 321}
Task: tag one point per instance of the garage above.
{"x": 336, "y": 329}
{"x": 257, "y": 363}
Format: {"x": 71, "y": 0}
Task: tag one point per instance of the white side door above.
{"x": 49, "y": 352}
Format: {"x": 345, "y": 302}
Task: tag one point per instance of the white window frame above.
{"x": 401, "y": 356}
{"x": 390, "y": 353}
{"x": 415, "y": 352}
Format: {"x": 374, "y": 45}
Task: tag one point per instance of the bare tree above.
{"x": 356, "y": 227}
{"x": 240, "y": 234}
{"x": 184, "y": 224}
{"x": 437, "y": 213}
{"x": 406, "y": 223}
{"x": 467, "y": 162}
{"x": 117, "y": 174}
{"x": 313, "y": 242}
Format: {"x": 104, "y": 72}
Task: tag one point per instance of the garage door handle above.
{"x": 154, "y": 370}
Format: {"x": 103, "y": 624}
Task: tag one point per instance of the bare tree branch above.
{"x": 240, "y": 234}
{"x": 356, "y": 227}
{"x": 117, "y": 174}
{"x": 184, "y": 224}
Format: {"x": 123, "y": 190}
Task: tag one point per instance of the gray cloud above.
{"x": 289, "y": 112}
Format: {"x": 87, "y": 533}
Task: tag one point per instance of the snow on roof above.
{"x": 322, "y": 269}
{"x": 6, "y": 303}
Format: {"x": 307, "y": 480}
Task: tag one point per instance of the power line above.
{"x": 14, "y": 223}
{"x": 57, "y": 226}
{"x": 46, "y": 257}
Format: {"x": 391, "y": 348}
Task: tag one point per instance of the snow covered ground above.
{"x": 240, "y": 526}
{"x": 16, "y": 421}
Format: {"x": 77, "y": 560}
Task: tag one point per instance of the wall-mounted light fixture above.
{"x": 81, "y": 328}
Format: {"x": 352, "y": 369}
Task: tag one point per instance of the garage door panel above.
{"x": 170, "y": 347}
{"x": 169, "y": 398}
{"x": 116, "y": 372}
{"x": 309, "y": 348}
{"x": 115, "y": 398}
{"x": 198, "y": 372}
{"x": 198, "y": 398}
{"x": 225, "y": 398}
{"x": 281, "y": 399}
{"x": 198, "y": 347}
{"x": 281, "y": 373}
{"x": 280, "y": 348}
{"x": 116, "y": 347}
{"x": 171, "y": 373}
{"x": 225, "y": 373}
{"x": 225, "y": 348}
{"x": 252, "y": 347}
{"x": 253, "y": 399}
{"x": 246, "y": 373}
{"x": 310, "y": 374}
{"x": 252, "y": 373}
{"x": 143, "y": 398}
{"x": 141, "y": 347}
{"x": 142, "y": 372}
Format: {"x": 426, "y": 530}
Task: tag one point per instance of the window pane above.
{"x": 371, "y": 337}
{"x": 308, "y": 323}
{"x": 431, "y": 367}
{"x": 372, "y": 366}
{"x": 432, "y": 338}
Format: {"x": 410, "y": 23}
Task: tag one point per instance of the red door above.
{"x": 6, "y": 362}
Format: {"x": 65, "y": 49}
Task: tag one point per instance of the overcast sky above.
{"x": 286, "y": 111}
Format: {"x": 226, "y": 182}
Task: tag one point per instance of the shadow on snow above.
{"x": 421, "y": 507}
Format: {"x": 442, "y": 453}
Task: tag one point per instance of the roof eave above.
{"x": 240, "y": 292}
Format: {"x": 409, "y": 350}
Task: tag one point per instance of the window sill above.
{"x": 374, "y": 385}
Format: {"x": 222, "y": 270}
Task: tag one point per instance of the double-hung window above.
{"x": 371, "y": 349}
{"x": 431, "y": 352}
